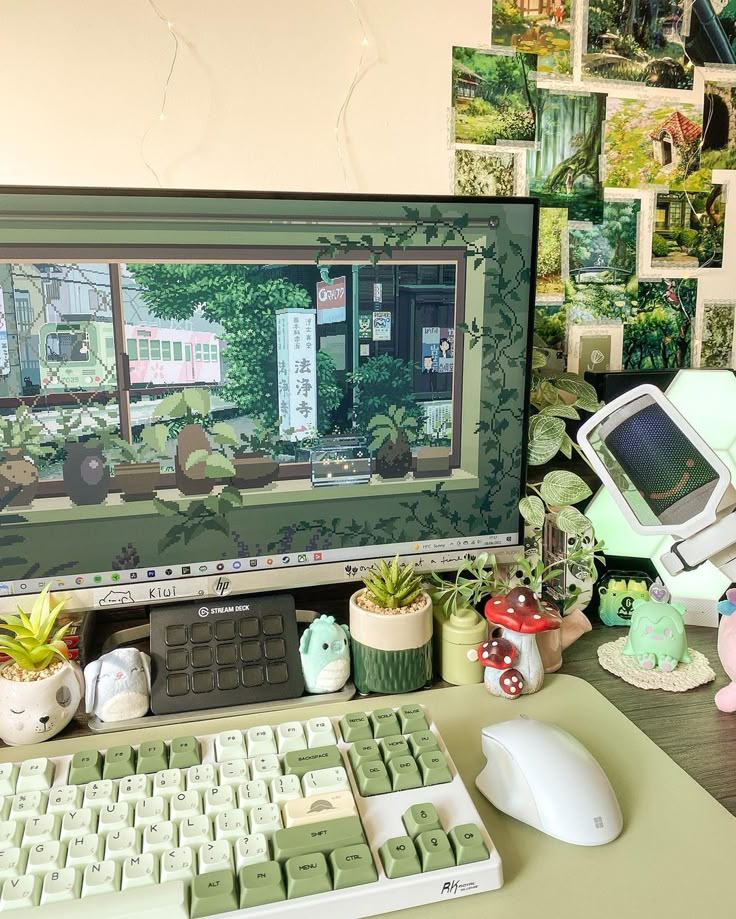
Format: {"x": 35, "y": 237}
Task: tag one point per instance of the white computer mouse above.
{"x": 541, "y": 775}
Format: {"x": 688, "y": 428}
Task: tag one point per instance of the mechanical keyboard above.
{"x": 365, "y": 813}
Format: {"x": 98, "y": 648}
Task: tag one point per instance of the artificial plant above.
{"x": 393, "y": 586}
{"x": 31, "y": 639}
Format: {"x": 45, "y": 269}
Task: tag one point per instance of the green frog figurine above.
{"x": 657, "y": 634}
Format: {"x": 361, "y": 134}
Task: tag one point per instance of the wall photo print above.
{"x": 688, "y": 229}
{"x": 716, "y": 332}
{"x": 541, "y": 27}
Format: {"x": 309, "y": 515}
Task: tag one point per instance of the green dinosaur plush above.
{"x": 657, "y": 635}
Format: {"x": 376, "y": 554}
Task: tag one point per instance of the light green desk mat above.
{"x": 675, "y": 857}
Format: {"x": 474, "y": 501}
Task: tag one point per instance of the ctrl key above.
{"x": 261, "y": 884}
{"x": 213, "y": 893}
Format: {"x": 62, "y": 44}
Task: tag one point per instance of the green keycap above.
{"x": 364, "y": 751}
{"x": 434, "y": 850}
{"x": 434, "y": 768}
{"x": 184, "y": 753}
{"x": 372, "y": 779}
{"x": 306, "y": 875}
{"x": 468, "y": 844}
{"x": 213, "y": 893}
{"x": 298, "y": 762}
{"x": 86, "y": 767}
{"x": 352, "y": 865}
{"x": 412, "y": 719}
{"x": 317, "y": 837}
{"x": 355, "y": 726}
{"x": 399, "y": 857}
{"x": 422, "y": 741}
{"x": 384, "y": 722}
{"x": 119, "y": 762}
{"x": 261, "y": 884}
{"x": 420, "y": 818}
{"x": 152, "y": 758}
{"x": 394, "y": 746}
{"x": 404, "y": 773}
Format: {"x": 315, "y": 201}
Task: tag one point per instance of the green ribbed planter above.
{"x": 391, "y": 671}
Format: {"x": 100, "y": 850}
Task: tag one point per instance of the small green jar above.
{"x": 455, "y": 635}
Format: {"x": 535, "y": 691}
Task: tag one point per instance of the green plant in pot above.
{"x": 391, "y": 630}
{"x": 253, "y": 460}
{"x": 137, "y": 465}
{"x": 390, "y": 434}
{"x": 21, "y": 447}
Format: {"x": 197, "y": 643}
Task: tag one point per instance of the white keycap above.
{"x": 320, "y": 733}
{"x": 8, "y": 778}
{"x": 319, "y": 808}
{"x": 320, "y": 781}
{"x": 185, "y": 804}
{"x": 21, "y": 893}
{"x": 230, "y": 825}
{"x": 101, "y": 877}
{"x": 230, "y": 745}
{"x": 177, "y": 865}
{"x": 266, "y": 819}
{"x": 115, "y": 817}
{"x": 234, "y": 772}
{"x": 200, "y": 777}
{"x": 98, "y": 794}
{"x": 215, "y": 856}
{"x": 194, "y": 831}
{"x": 84, "y": 849}
{"x": 64, "y": 798}
{"x": 159, "y": 837}
{"x": 5, "y": 808}
{"x": 61, "y": 886}
{"x": 139, "y": 871}
{"x": 78, "y": 822}
{"x": 133, "y": 788}
{"x": 168, "y": 782}
{"x": 28, "y": 804}
{"x": 218, "y": 799}
{"x": 151, "y": 810}
{"x": 35, "y": 775}
{"x": 260, "y": 740}
{"x": 251, "y": 794}
{"x": 46, "y": 856}
{"x": 41, "y": 829}
{"x": 266, "y": 766}
{"x": 251, "y": 850}
{"x": 285, "y": 788}
{"x": 11, "y": 833}
{"x": 12, "y": 863}
{"x": 122, "y": 843}
{"x": 290, "y": 736}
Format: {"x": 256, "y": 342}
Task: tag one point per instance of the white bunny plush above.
{"x": 118, "y": 685}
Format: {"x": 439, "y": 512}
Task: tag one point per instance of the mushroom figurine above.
{"x": 513, "y": 666}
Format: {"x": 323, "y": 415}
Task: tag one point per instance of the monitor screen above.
{"x": 206, "y": 393}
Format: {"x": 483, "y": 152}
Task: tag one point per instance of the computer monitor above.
{"x": 204, "y": 393}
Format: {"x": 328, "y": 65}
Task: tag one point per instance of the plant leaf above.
{"x": 225, "y": 434}
{"x": 198, "y": 400}
{"x": 561, "y": 410}
{"x": 545, "y": 438}
{"x": 196, "y": 456}
{"x": 532, "y": 510}
{"x": 218, "y": 466}
{"x": 563, "y": 487}
{"x": 570, "y": 520}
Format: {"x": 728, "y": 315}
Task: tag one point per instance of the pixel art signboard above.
{"x": 297, "y": 372}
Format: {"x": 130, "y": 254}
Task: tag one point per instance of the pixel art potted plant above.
{"x": 253, "y": 459}
{"x": 390, "y": 435}
{"x": 137, "y": 465}
{"x": 40, "y": 687}
{"x": 21, "y": 447}
{"x": 391, "y": 630}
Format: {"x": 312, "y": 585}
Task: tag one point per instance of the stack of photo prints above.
{"x": 620, "y": 116}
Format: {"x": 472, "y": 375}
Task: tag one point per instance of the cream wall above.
{"x": 253, "y": 100}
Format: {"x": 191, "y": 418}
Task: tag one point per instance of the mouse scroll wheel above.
{"x": 524, "y": 717}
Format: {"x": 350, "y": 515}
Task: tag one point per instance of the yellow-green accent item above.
{"x": 434, "y": 850}
{"x": 420, "y": 818}
{"x": 86, "y": 767}
{"x": 364, "y": 751}
{"x": 317, "y": 837}
{"x": 184, "y": 753}
{"x": 372, "y": 779}
{"x": 434, "y": 768}
{"x": 355, "y": 726}
{"x": 467, "y": 844}
{"x": 351, "y": 866}
{"x": 657, "y": 635}
{"x": 213, "y": 893}
{"x": 454, "y": 636}
{"x": 422, "y": 742}
{"x": 394, "y": 746}
{"x": 298, "y": 762}
{"x": 412, "y": 719}
{"x": 404, "y": 773}
{"x": 261, "y": 884}
{"x": 399, "y": 857}
{"x": 152, "y": 757}
{"x": 384, "y": 722}
{"x": 119, "y": 762}
{"x": 307, "y": 875}
{"x": 29, "y": 638}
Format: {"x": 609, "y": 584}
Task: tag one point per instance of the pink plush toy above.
{"x": 726, "y": 697}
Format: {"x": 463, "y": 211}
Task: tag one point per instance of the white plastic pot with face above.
{"x": 35, "y": 711}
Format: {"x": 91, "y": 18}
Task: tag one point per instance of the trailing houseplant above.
{"x": 21, "y": 447}
{"x": 391, "y": 630}
{"x": 40, "y": 688}
{"x": 390, "y": 434}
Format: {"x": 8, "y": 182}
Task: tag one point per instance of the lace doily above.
{"x": 684, "y": 677}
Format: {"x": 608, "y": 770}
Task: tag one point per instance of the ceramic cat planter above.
{"x": 35, "y": 711}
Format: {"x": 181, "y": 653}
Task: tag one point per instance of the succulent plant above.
{"x": 32, "y": 643}
{"x": 393, "y": 586}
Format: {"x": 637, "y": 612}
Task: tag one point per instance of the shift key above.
{"x": 299, "y": 762}
{"x": 317, "y": 837}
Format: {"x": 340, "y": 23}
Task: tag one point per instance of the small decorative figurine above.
{"x": 726, "y": 697}
{"x": 513, "y": 665}
{"x": 325, "y": 653}
{"x": 617, "y": 593}
{"x": 119, "y": 685}
{"x": 657, "y": 634}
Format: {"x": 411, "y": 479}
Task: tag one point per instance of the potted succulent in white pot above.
{"x": 391, "y": 631}
{"x": 40, "y": 688}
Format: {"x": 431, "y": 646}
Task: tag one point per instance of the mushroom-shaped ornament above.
{"x": 520, "y": 616}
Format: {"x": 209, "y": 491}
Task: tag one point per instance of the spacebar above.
{"x": 153, "y": 901}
